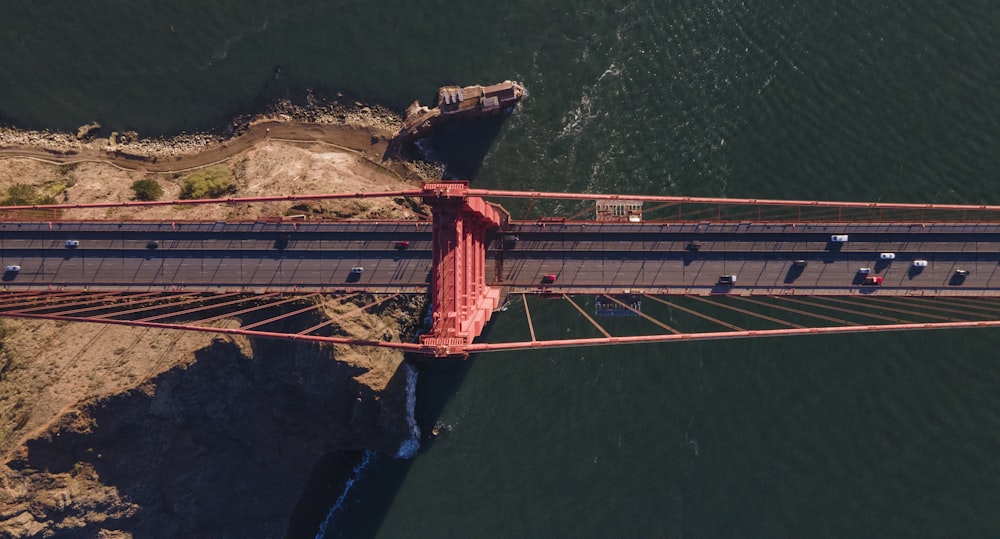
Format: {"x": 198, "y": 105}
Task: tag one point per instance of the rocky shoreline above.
{"x": 315, "y": 110}
{"x": 115, "y": 433}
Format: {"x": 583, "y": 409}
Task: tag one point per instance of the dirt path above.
{"x": 368, "y": 141}
{"x": 73, "y": 397}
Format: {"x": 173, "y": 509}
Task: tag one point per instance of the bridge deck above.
{"x": 586, "y": 257}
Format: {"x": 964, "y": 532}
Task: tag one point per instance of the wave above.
{"x": 356, "y": 473}
{"x": 409, "y": 447}
{"x": 222, "y": 54}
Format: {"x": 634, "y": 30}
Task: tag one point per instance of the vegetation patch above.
{"x": 22, "y": 194}
{"x": 211, "y": 182}
{"x": 147, "y": 189}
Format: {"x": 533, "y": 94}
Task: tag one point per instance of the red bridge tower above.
{"x": 461, "y": 301}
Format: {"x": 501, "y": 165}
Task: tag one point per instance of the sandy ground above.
{"x": 270, "y": 158}
{"x": 55, "y": 378}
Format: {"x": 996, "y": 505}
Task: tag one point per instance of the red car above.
{"x": 402, "y": 245}
{"x": 548, "y": 279}
{"x": 873, "y": 280}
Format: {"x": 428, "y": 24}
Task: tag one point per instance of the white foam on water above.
{"x": 355, "y": 475}
{"x": 425, "y": 149}
{"x": 409, "y": 447}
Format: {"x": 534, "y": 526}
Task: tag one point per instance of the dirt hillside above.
{"x": 117, "y": 432}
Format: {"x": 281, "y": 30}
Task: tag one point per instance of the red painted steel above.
{"x": 527, "y": 314}
{"x": 816, "y": 305}
{"x": 460, "y": 189}
{"x": 408, "y": 347}
{"x": 461, "y": 301}
{"x": 286, "y": 315}
{"x": 250, "y": 309}
{"x": 797, "y": 311}
{"x": 641, "y": 314}
{"x": 231, "y": 200}
{"x": 458, "y": 346}
{"x": 564, "y": 343}
{"x": 648, "y": 339}
{"x": 94, "y": 300}
{"x": 750, "y": 313}
{"x": 587, "y": 316}
{"x": 11, "y": 300}
{"x": 208, "y": 307}
{"x": 727, "y": 201}
{"x": 694, "y": 312}
{"x": 160, "y": 306}
{"x": 333, "y": 320}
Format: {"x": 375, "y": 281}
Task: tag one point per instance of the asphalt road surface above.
{"x": 584, "y": 258}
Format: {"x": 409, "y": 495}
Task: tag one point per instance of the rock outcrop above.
{"x": 217, "y": 447}
{"x": 113, "y": 432}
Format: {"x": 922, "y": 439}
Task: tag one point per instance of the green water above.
{"x": 852, "y": 436}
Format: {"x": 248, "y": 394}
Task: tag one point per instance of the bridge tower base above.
{"x": 461, "y": 301}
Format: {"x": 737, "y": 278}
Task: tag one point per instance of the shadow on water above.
{"x": 372, "y": 496}
{"x": 460, "y": 145}
{"x": 338, "y": 473}
{"x": 326, "y": 483}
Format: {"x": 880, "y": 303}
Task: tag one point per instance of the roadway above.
{"x": 217, "y": 256}
{"x": 585, "y": 257}
{"x": 653, "y": 257}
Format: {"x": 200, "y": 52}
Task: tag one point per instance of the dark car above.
{"x": 548, "y": 279}
{"x": 281, "y": 242}
{"x": 693, "y": 246}
{"x": 152, "y": 244}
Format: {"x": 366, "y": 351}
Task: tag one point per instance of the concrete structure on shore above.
{"x": 457, "y": 102}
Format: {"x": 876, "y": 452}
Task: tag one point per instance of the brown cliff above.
{"x": 116, "y": 432}
{"x": 218, "y": 444}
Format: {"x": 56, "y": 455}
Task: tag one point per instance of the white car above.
{"x": 838, "y": 238}
{"x": 357, "y": 270}
{"x": 864, "y": 271}
{"x": 12, "y": 269}
{"x": 887, "y": 256}
{"x": 72, "y": 244}
{"x": 920, "y": 263}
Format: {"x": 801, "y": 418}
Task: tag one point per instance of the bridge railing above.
{"x": 570, "y": 206}
{"x": 736, "y": 212}
{"x": 818, "y": 213}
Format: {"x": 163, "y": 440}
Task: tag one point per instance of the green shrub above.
{"x": 212, "y": 182}
{"x": 22, "y": 194}
{"x": 147, "y": 189}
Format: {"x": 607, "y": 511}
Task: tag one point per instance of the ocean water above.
{"x": 850, "y": 436}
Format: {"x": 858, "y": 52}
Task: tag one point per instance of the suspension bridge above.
{"x": 624, "y": 268}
